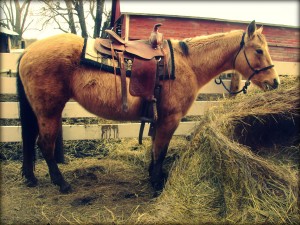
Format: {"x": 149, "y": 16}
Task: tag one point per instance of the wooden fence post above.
{"x": 235, "y": 83}
{"x": 59, "y": 150}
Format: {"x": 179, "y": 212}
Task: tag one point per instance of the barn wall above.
{"x": 283, "y": 41}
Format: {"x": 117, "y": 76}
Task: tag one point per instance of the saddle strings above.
{"x": 115, "y": 73}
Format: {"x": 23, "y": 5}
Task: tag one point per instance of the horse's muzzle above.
{"x": 273, "y": 86}
{"x": 276, "y": 84}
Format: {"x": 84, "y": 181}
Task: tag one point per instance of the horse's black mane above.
{"x": 184, "y": 48}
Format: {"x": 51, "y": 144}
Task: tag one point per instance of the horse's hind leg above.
{"x": 164, "y": 133}
{"x": 47, "y": 136}
{"x": 29, "y": 134}
{"x": 29, "y": 139}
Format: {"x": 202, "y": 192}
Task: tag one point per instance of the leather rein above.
{"x": 248, "y": 81}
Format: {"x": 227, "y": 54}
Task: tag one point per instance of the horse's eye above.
{"x": 259, "y": 51}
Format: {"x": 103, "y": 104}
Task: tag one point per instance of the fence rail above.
{"x": 10, "y": 110}
{"x": 8, "y": 64}
{"x": 95, "y": 131}
{"x": 8, "y": 86}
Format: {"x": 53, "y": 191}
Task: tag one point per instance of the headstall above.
{"x": 255, "y": 71}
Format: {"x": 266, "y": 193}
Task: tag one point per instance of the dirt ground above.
{"x": 107, "y": 190}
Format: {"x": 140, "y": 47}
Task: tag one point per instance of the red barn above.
{"x": 283, "y": 40}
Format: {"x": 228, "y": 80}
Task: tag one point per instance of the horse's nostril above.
{"x": 275, "y": 85}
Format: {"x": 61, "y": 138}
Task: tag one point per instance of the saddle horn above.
{"x": 156, "y": 26}
{"x": 156, "y": 38}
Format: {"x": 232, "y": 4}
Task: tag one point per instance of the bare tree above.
{"x": 98, "y": 18}
{"x": 74, "y": 15}
{"x": 80, "y": 12}
{"x": 71, "y": 17}
{"x": 60, "y": 14}
{"x": 14, "y": 14}
{"x": 106, "y": 24}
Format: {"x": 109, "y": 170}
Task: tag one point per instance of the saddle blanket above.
{"x": 91, "y": 57}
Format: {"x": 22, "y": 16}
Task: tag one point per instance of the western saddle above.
{"x": 147, "y": 62}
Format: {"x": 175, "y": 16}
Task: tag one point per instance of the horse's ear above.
{"x": 260, "y": 29}
{"x": 251, "y": 28}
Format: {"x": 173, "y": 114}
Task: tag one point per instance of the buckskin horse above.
{"x": 49, "y": 74}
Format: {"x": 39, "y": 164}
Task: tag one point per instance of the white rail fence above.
{"x": 8, "y": 64}
{"x": 10, "y": 110}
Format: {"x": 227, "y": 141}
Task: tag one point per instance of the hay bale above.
{"x": 228, "y": 174}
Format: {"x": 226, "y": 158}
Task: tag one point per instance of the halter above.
{"x": 255, "y": 71}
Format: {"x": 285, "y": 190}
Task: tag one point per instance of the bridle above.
{"x": 248, "y": 81}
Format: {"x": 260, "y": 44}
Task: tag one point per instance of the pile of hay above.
{"x": 240, "y": 167}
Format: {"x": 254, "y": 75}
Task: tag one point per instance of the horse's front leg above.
{"x": 164, "y": 132}
{"x": 47, "y": 136}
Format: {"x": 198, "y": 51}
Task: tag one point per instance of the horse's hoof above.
{"x": 156, "y": 193}
{"x": 65, "y": 188}
{"x": 32, "y": 182}
{"x": 158, "y": 186}
{"x": 158, "y": 183}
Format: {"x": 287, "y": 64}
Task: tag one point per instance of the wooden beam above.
{"x": 10, "y": 110}
{"x": 94, "y": 132}
{"x": 8, "y": 86}
{"x": 127, "y": 22}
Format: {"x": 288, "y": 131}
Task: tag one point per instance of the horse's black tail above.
{"x": 29, "y": 127}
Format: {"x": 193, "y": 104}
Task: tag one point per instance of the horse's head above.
{"x": 254, "y": 61}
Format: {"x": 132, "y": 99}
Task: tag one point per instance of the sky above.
{"x": 271, "y": 12}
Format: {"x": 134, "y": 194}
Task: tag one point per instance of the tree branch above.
{"x": 92, "y": 8}
{"x": 28, "y": 25}
{"x": 5, "y": 11}
{"x": 25, "y": 16}
{"x": 11, "y": 14}
{"x": 59, "y": 26}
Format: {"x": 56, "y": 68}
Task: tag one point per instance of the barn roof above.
{"x": 7, "y": 31}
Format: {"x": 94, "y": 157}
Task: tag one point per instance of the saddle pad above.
{"x": 91, "y": 57}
